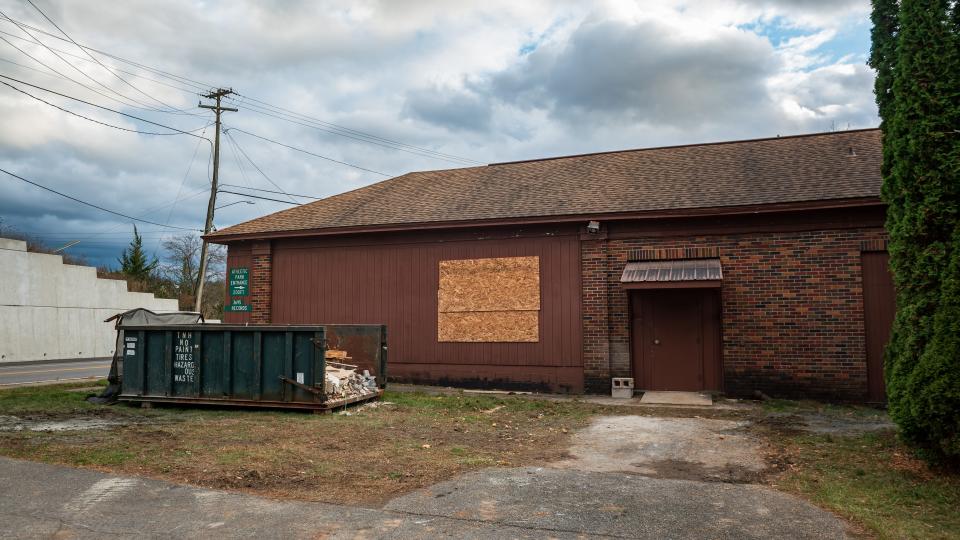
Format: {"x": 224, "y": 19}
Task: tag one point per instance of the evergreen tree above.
{"x": 916, "y": 52}
{"x": 133, "y": 261}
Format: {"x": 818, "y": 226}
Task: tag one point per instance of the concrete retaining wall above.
{"x": 50, "y": 310}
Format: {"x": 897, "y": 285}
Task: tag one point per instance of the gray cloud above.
{"x": 455, "y": 109}
{"x": 642, "y": 72}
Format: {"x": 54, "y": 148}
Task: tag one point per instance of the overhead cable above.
{"x": 91, "y": 205}
{"x": 104, "y": 66}
{"x": 106, "y": 108}
{"x": 255, "y": 166}
{"x": 256, "y": 197}
{"x": 95, "y": 121}
{"x": 310, "y": 153}
{"x": 271, "y": 191}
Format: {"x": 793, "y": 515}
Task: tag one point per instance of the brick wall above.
{"x": 261, "y": 283}
{"x": 792, "y": 311}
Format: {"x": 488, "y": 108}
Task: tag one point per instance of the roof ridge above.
{"x": 688, "y": 145}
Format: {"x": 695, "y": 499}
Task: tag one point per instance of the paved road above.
{"x": 35, "y": 373}
{"x": 45, "y": 501}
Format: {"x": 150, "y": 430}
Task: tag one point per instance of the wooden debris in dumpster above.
{"x": 342, "y": 381}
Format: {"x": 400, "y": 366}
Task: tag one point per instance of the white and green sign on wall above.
{"x": 239, "y": 282}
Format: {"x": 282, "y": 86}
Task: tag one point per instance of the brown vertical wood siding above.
{"x": 396, "y": 284}
{"x": 879, "y": 309}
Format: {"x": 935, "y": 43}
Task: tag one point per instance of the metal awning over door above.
{"x": 666, "y": 274}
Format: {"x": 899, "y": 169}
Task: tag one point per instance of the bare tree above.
{"x": 182, "y": 266}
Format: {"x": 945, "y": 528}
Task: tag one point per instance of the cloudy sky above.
{"x": 388, "y": 86}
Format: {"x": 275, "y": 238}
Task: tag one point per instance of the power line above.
{"x": 256, "y": 197}
{"x": 281, "y": 113}
{"x": 191, "y": 91}
{"x": 185, "y": 80}
{"x": 271, "y": 191}
{"x": 243, "y": 170}
{"x": 311, "y": 153}
{"x": 369, "y": 139}
{"x": 67, "y": 77}
{"x": 92, "y": 119}
{"x": 141, "y": 104}
{"x": 105, "y": 108}
{"x": 51, "y": 190}
{"x": 95, "y": 59}
{"x": 255, "y": 166}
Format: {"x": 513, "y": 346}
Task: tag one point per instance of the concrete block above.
{"x": 622, "y": 387}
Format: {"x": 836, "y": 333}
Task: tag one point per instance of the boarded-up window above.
{"x": 489, "y": 300}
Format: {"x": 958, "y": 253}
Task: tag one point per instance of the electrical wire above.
{"x": 369, "y": 139}
{"x": 268, "y": 109}
{"x": 185, "y": 80}
{"x": 92, "y": 119}
{"x": 107, "y": 108}
{"x": 193, "y": 90}
{"x": 311, "y": 153}
{"x": 67, "y": 77}
{"x": 271, "y": 191}
{"x": 51, "y": 190}
{"x": 255, "y": 197}
{"x": 255, "y": 166}
{"x": 138, "y": 104}
{"x": 95, "y": 59}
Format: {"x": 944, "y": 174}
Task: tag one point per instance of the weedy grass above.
{"x": 874, "y": 480}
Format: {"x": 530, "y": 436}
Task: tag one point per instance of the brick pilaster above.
{"x": 596, "y": 324}
{"x": 261, "y": 283}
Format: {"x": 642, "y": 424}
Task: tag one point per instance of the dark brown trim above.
{"x": 223, "y": 237}
{"x": 646, "y": 285}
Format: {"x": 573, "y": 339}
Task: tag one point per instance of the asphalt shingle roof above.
{"x": 818, "y": 167}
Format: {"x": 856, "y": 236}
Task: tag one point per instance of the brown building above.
{"x": 735, "y": 267}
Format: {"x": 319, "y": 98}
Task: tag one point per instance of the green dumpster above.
{"x": 259, "y": 365}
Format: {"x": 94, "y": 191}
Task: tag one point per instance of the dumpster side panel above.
{"x": 215, "y": 365}
{"x": 243, "y": 372}
{"x": 272, "y": 358}
{"x": 155, "y": 362}
{"x": 133, "y": 364}
{"x": 303, "y": 351}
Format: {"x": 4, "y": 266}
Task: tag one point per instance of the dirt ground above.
{"x": 365, "y": 456}
{"x": 681, "y": 448}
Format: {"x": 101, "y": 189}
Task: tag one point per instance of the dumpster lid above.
{"x": 143, "y": 316}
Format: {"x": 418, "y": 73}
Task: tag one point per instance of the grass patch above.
{"x": 801, "y": 407}
{"x": 873, "y": 480}
{"x": 48, "y": 399}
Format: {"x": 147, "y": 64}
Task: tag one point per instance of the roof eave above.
{"x": 770, "y": 208}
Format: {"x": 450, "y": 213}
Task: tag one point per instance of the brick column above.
{"x": 261, "y": 283}
{"x": 596, "y": 313}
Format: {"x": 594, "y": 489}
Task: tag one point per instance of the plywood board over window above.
{"x": 489, "y": 300}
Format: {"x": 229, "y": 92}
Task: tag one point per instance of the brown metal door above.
{"x": 878, "y": 311}
{"x": 668, "y": 339}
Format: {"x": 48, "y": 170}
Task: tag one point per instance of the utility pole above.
{"x": 211, "y": 205}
